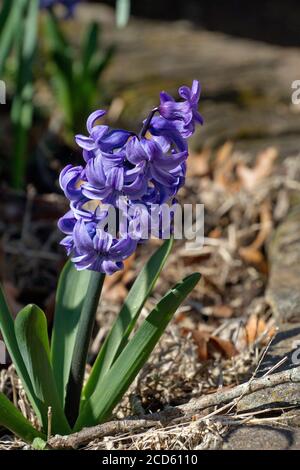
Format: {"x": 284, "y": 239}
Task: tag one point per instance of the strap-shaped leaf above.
{"x": 8, "y": 332}
{"x": 10, "y": 24}
{"x": 12, "y": 419}
{"x": 101, "y": 62}
{"x": 32, "y": 338}
{"x": 22, "y": 108}
{"x": 61, "y": 55}
{"x": 115, "y": 383}
{"x": 81, "y": 347}
{"x": 90, "y": 45}
{"x": 5, "y": 11}
{"x": 70, "y": 296}
{"x": 126, "y": 320}
{"x": 122, "y": 12}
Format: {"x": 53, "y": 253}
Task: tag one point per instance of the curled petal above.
{"x": 98, "y": 132}
{"x": 185, "y": 92}
{"x": 91, "y": 192}
{"x": 115, "y": 178}
{"x": 176, "y": 111}
{"x": 167, "y": 129}
{"x": 195, "y": 92}
{"x": 114, "y": 139}
{"x": 69, "y": 180}
{"x": 68, "y": 243}
{"x": 66, "y": 223}
{"x": 123, "y": 248}
{"x": 135, "y": 152}
{"x": 93, "y": 118}
{"x": 94, "y": 172}
{"x": 165, "y": 97}
{"x": 110, "y": 267}
{"x": 86, "y": 143}
{"x": 102, "y": 241}
{"x": 162, "y": 176}
{"x": 82, "y": 239}
{"x": 172, "y": 161}
{"x": 85, "y": 261}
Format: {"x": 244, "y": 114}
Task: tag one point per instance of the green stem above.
{"x": 81, "y": 347}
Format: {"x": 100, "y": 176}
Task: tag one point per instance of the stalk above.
{"x": 147, "y": 123}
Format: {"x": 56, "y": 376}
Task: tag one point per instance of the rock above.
{"x": 286, "y": 344}
{"x": 280, "y": 396}
{"x": 246, "y": 84}
{"x": 262, "y": 437}
{"x": 283, "y": 292}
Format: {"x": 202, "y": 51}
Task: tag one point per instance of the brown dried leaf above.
{"x": 254, "y": 328}
{"x": 250, "y": 177}
{"x": 222, "y": 311}
{"x": 199, "y": 163}
{"x": 223, "y": 346}
{"x": 252, "y": 254}
{"x": 223, "y": 166}
{"x": 201, "y": 339}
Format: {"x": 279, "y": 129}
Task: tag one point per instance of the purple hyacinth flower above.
{"x": 135, "y": 175}
{"x": 70, "y": 179}
{"x": 97, "y": 250}
{"x": 68, "y": 4}
{"x": 153, "y": 163}
{"x": 110, "y": 176}
{"x": 66, "y": 225}
{"x": 166, "y": 134}
{"x": 100, "y": 138}
{"x": 184, "y": 114}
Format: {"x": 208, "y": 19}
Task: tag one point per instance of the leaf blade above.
{"x": 22, "y": 107}
{"x": 114, "y": 384}
{"x": 8, "y": 333}
{"x": 32, "y": 337}
{"x": 128, "y": 315}
{"x": 122, "y": 12}
{"x": 12, "y": 419}
{"x": 71, "y": 292}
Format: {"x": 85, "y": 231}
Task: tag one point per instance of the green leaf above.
{"x": 32, "y": 338}
{"x": 126, "y": 320}
{"x": 12, "y": 419}
{"x": 90, "y": 44}
{"x": 100, "y": 62}
{"x": 110, "y": 390}
{"x": 5, "y": 11}
{"x": 62, "y": 60}
{"x": 122, "y": 12}
{"x": 71, "y": 293}
{"x": 22, "y": 107}
{"x": 10, "y": 25}
{"x": 8, "y": 333}
{"x": 82, "y": 342}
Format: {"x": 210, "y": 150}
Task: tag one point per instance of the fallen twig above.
{"x": 132, "y": 424}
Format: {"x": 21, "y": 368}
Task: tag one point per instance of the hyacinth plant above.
{"x": 129, "y": 173}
